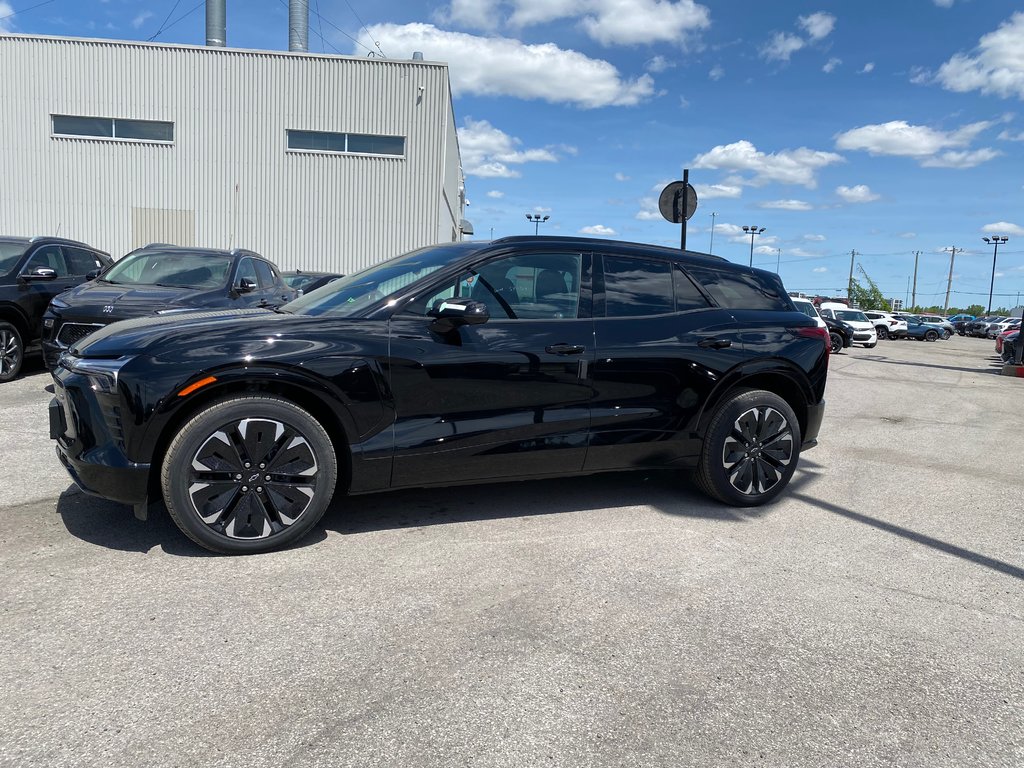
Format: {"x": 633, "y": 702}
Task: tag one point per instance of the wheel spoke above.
{"x": 758, "y": 450}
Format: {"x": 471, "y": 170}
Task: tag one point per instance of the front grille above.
{"x": 70, "y": 333}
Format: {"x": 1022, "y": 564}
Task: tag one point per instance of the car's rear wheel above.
{"x": 835, "y": 342}
{"x": 249, "y": 474}
{"x": 750, "y": 449}
{"x": 946, "y": 334}
{"x": 883, "y": 332}
{"x": 931, "y": 335}
{"x": 12, "y": 352}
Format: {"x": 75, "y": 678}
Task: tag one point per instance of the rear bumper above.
{"x": 815, "y": 414}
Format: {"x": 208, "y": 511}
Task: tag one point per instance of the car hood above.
{"x": 233, "y": 333}
{"x": 94, "y": 298}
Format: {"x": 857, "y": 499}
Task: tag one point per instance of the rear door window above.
{"x": 81, "y": 261}
{"x": 266, "y": 275}
{"x": 637, "y": 287}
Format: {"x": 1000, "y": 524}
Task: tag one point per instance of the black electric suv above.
{"x": 512, "y": 359}
{"x": 33, "y": 271}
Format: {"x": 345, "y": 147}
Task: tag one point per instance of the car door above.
{"x": 506, "y": 398}
{"x": 661, "y": 348}
{"x": 273, "y": 292}
{"x": 39, "y": 290}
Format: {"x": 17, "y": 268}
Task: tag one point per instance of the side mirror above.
{"x": 449, "y": 314}
{"x": 40, "y": 273}
{"x": 245, "y": 285}
{"x": 92, "y": 275}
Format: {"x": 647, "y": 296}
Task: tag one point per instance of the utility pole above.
{"x": 849, "y": 284}
{"x": 953, "y": 251}
{"x": 711, "y": 248}
{"x": 913, "y": 296}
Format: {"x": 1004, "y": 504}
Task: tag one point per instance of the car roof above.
{"x": 603, "y": 244}
{"x": 163, "y": 248}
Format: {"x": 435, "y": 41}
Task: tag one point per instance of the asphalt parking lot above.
{"x": 871, "y": 617}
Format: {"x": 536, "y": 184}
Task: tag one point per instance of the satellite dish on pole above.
{"x": 670, "y": 203}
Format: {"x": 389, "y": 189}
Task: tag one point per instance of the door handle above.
{"x": 714, "y": 343}
{"x": 565, "y": 349}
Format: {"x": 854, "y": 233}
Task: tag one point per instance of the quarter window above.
{"x": 346, "y": 143}
{"x": 155, "y": 131}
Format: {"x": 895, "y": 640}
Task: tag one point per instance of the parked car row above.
{"x": 991, "y": 326}
{"x": 55, "y": 291}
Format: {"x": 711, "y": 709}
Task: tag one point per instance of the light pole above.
{"x": 754, "y": 230}
{"x": 537, "y": 220}
{"x": 711, "y": 248}
{"x": 778, "y": 259}
{"x": 995, "y": 241}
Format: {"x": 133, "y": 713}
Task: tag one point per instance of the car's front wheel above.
{"x": 12, "y": 352}
{"x": 835, "y": 342}
{"x": 249, "y": 474}
{"x": 946, "y": 334}
{"x": 883, "y": 332}
{"x": 750, "y": 449}
{"x": 931, "y": 335}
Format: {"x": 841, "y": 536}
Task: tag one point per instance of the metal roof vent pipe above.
{"x": 298, "y": 25}
{"x": 216, "y": 23}
{"x": 417, "y": 55}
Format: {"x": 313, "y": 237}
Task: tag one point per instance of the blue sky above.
{"x": 885, "y": 128}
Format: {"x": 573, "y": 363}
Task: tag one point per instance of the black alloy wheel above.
{"x": 249, "y": 474}
{"x": 931, "y": 335}
{"x": 12, "y": 352}
{"x": 835, "y": 342}
{"x": 750, "y": 450}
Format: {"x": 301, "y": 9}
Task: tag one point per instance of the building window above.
{"x": 351, "y": 143}
{"x": 113, "y": 128}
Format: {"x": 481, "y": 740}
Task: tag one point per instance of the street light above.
{"x": 754, "y": 230}
{"x": 995, "y": 242}
{"x": 537, "y": 220}
{"x": 711, "y": 248}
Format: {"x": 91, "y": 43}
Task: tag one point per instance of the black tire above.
{"x": 883, "y": 332}
{"x": 751, "y": 449}
{"x": 931, "y": 335}
{"x": 946, "y": 334}
{"x": 835, "y": 342}
{"x": 257, "y": 490}
{"x": 12, "y": 352}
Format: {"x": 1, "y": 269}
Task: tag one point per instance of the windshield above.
{"x": 350, "y": 295}
{"x": 850, "y": 315}
{"x": 9, "y": 255}
{"x": 170, "y": 268}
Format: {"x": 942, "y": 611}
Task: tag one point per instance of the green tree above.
{"x": 869, "y": 297}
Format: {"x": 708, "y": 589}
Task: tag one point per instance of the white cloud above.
{"x": 499, "y": 66}
{"x": 649, "y": 210}
{"x": 1003, "y": 228}
{"x": 869, "y": 67}
{"x": 786, "y": 205}
{"x": 961, "y": 159}
{"x": 1007, "y": 136}
{"x": 861, "y": 193}
{"x": 820, "y": 269}
{"x": 609, "y": 22}
{"x": 487, "y": 151}
{"x": 944, "y": 3}
{"x": 929, "y": 146}
{"x": 597, "y": 229}
{"x": 782, "y": 46}
{"x": 6, "y": 25}
{"x": 996, "y": 66}
{"x": 621, "y": 177}
{"x": 908, "y": 235}
{"x": 831, "y": 64}
{"x": 711, "y": 191}
{"x": 817, "y": 25}
{"x": 139, "y": 20}
{"x": 815, "y": 238}
{"x": 659, "y": 64}
{"x": 790, "y": 166}
{"x": 716, "y": 73}
{"x": 496, "y": 194}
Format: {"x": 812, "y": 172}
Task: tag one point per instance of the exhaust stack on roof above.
{"x": 216, "y": 23}
{"x": 298, "y": 25}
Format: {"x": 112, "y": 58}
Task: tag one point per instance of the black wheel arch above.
{"x": 11, "y": 313}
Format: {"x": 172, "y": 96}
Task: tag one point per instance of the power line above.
{"x": 168, "y": 18}
{"x": 184, "y": 16}
{"x": 25, "y": 10}
{"x": 363, "y": 25}
{"x": 331, "y": 24}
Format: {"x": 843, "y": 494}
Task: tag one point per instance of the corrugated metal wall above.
{"x": 228, "y": 170}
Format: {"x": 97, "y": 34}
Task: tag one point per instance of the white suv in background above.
{"x": 807, "y": 307}
{"x": 886, "y": 325}
{"x": 864, "y": 329}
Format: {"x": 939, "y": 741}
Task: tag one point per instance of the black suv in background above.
{"x": 518, "y": 358}
{"x": 32, "y": 272}
{"x": 162, "y": 279}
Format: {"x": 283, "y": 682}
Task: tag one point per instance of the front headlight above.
{"x": 59, "y": 303}
{"x": 101, "y": 372}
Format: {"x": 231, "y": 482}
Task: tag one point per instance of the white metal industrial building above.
{"x": 316, "y": 161}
